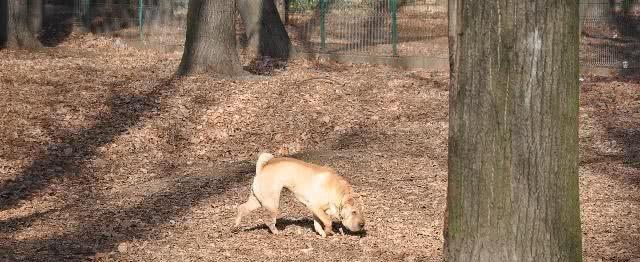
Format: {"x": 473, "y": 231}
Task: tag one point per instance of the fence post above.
{"x": 394, "y": 26}
{"x": 140, "y": 18}
{"x": 323, "y": 35}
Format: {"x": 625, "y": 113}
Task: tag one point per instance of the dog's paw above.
{"x": 329, "y": 232}
{"x": 274, "y": 230}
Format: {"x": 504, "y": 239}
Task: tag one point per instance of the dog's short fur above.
{"x": 319, "y": 188}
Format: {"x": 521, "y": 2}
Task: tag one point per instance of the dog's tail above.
{"x": 262, "y": 161}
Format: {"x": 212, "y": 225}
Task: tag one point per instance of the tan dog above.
{"x": 325, "y": 193}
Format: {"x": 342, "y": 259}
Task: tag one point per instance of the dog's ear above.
{"x": 359, "y": 197}
{"x": 348, "y": 200}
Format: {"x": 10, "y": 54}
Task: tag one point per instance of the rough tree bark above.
{"x": 210, "y": 45}
{"x": 265, "y": 31}
{"x": 513, "y": 137}
{"x": 15, "y": 25}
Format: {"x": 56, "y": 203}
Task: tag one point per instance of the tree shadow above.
{"x": 113, "y": 226}
{"x": 56, "y": 27}
{"x": 66, "y": 158}
{"x": 104, "y": 227}
{"x": 16, "y": 224}
{"x": 629, "y": 139}
{"x": 612, "y": 109}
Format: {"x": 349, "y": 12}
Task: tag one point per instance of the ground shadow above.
{"x": 629, "y": 139}
{"x": 104, "y": 228}
{"x": 265, "y": 65}
{"x": 114, "y": 226}
{"x": 66, "y": 158}
{"x": 16, "y": 224}
{"x": 57, "y": 24}
{"x": 283, "y": 223}
{"x": 613, "y": 109}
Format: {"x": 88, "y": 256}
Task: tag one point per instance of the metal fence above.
{"x": 370, "y": 27}
{"x": 137, "y": 22}
{"x": 390, "y": 29}
{"x": 610, "y": 33}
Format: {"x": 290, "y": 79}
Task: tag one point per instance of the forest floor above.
{"x": 105, "y": 155}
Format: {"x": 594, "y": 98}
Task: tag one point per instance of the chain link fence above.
{"x": 136, "y": 22}
{"x": 410, "y": 31}
{"x": 610, "y": 33}
{"x": 415, "y": 28}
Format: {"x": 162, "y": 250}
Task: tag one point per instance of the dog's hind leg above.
{"x": 246, "y": 208}
{"x": 272, "y": 221}
{"x": 272, "y": 204}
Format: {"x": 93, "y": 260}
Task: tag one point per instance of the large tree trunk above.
{"x": 15, "y": 26}
{"x": 210, "y": 44}
{"x": 265, "y": 31}
{"x": 281, "y": 6}
{"x": 513, "y": 131}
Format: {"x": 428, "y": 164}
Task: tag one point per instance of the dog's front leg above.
{"x": 318, "y": 226}
{"x": 325, "y": 219}
{"x": 271, "y": 224}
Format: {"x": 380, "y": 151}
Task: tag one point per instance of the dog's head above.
{"x": 351, "y": 213}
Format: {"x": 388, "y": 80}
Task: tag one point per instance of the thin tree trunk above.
{"x": 16, "y": 31}
{"x": 163, "y": 13}
{"x": 210, "y": 45}
{"x": 265, "y": 31}
{"x": 513, "y": 131}
{"x": 36, "y": 15}
{"x": 166, "y": 12}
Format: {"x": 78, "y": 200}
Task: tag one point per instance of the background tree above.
{"x": 210, "y": 44}
{"x": 513, "y": 137}
{"x": 16, "y": 26}
{"x": 36, "y": 15}
{"x": 165, "y": 12}
{"x": 265, "y": 31}
{"x": 159, "y": 12}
